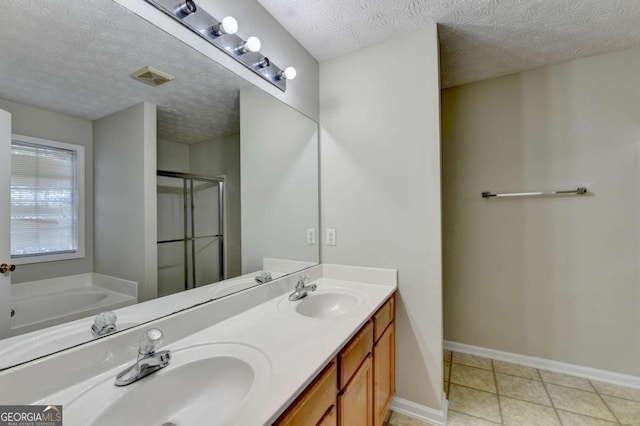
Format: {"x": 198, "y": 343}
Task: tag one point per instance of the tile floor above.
{"x": 485, "y": 392}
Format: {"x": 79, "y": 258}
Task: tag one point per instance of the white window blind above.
{"x": 44, "y": 199}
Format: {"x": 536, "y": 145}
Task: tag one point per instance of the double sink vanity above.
{"x": 252, "y": 358}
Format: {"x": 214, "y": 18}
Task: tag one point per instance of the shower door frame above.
{"x": 188, "y": 178}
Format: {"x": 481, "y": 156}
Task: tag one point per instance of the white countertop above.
{"x": 297, "y": 349}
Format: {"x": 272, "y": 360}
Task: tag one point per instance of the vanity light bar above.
{"x": 222, "y": 35}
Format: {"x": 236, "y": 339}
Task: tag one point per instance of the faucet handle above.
{"x": 302, "y": 280}
{"x": 104, "y": 319}
{"x": 263, "y": 277}
{"x": 104, "y": 323}
{"x": 150, "y": 341}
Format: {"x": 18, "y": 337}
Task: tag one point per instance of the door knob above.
{"x": 4, "y": 268}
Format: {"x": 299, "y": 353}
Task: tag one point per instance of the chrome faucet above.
{"x": 264, "y": 277}
{"x": 302, "y": 288}
{"x": 104, "y": 323}
{"x": 149, "y": 361}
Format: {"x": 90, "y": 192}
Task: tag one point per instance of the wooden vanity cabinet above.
{"x": 316, "y": 405}
{"x": 356, "y": 389}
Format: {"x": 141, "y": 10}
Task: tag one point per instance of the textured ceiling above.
{"x": 76, "y": 57}
{"x": 479, "y": 39}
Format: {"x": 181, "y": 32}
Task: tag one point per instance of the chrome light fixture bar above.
{"x": 222, "y": 35}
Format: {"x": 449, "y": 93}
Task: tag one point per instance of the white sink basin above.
{"x": 327, "y": 305}
{"x": 324, "y": 303}
{"x": 203, "y": 385}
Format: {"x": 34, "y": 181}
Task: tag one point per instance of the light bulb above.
{"x": 289, "y": 73}
{"x": 186, "y": 8}
{"x": 228, "y": 25}
{"x": 252, "y": 44}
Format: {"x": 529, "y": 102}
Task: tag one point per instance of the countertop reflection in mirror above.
{"x": 195, "y": 187}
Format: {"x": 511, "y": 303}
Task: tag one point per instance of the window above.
{"x": 47, "y": 200}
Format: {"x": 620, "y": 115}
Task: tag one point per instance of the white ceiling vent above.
{"x": 152, "y": 76}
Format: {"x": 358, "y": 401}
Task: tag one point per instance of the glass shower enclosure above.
{"x": 191, "y": 223}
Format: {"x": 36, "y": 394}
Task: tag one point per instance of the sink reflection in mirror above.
{"x": 39, "y": 343}
{"x": 151, "y": 189}
{"x": 207, "y": 384}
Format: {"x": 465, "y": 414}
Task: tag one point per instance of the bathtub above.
{"x": 44, "y": 303}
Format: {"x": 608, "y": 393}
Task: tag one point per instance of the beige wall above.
{"x": 41, "y": 123}
{"x": 125, "y": 243}
{"x": 380, "y": 188}
{"x": 173, "y": 156}
{"x": 555, "y": 278}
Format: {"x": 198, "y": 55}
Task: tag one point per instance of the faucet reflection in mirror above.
{"x": 103, "y": 324}
{"x": 263, "y": 277}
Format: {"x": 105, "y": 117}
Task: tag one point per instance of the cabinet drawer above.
{"x": 355, "y": 352}
{"x": 383, "y": 318}
{"x": 330, "y": 417}
{"x": 311, "y": 407}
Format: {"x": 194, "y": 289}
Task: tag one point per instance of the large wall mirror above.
{"x": 141, "y": 196}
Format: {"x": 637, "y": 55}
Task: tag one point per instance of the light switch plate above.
{"x": 311, "y": 236}
{"x": 331, "y": 236}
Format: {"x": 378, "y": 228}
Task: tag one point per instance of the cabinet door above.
{"x": 356, "y": 402}
{"x": 384, "y": 373}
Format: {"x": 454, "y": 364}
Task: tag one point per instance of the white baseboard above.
{"x": 421, "y": 412}
{"x": 547, "y": 364}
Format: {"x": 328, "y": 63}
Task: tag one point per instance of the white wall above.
{"x": 253, "y": 19}
{"x": 279, "y": 187}
{"x": 173, "y": 156}
{"x": 42, "y": 123}
{"x": 125, "y": 242}
{"x": 555, "y": 278}
{"x": 380, "y": 188}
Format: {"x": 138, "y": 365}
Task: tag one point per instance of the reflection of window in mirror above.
{"x": 47, "y": 206}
